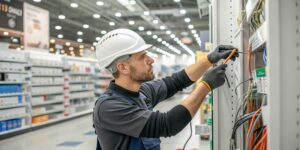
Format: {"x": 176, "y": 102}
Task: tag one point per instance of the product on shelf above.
{"x": 39, "y": 119}
{"x": 8, "y": 125}
{"x": 46, "y": 90}
{"x": 8, "y": 89}
{"x": 12, "y": 112}
{"x": 11, "y": 101}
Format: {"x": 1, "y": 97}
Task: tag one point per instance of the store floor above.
{"x": 78, "y": 134}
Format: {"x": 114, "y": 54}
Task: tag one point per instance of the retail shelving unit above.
{"x": 102, "y": 79}
{"x": 14, "y": 105}
{"x": 79, "y": 85}
{"x": 46, "y": 87}
{"x": 274, "y": 37}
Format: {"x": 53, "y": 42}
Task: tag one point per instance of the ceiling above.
{"x": 143, "y": 12}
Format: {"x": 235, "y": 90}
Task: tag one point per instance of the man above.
{"x": 123, "y": 116}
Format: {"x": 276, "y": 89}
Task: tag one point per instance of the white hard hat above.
{"x": 117, "y": 43}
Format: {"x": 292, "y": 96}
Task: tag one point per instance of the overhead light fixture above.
{"x": 149, "y": 33}
{"x": 74, "y": 5}
{"x": 85, "y": 26}
{"x": 182, "y": 11}
{"x": 68, "y": 43}
{"x": 168, "y": 32}
{"x": 118, "y": 14}
{"x": 96, "y": 16}
{"x": 131, "y": 22}
{"x": 162, "y": 27}
{"x": 79, "y": 40}
{"x": 58, "y": 27}
{"x": 98, "y": 38}
{"x": 159, "y": 39}
{"x": 196, "y": 35}
{"x": 191, "y": 26}
{"x": 81, "y": 46}
{"x": 152, "y": 54}
{"x": 176, "y": 1}
{"x": 100, "y": 3}
{"x": 37, "y": 1}
{"x": 61, "y": 17}
{"x": 79, "y": 33}
{"x": 71, "y": 49}
{"x": 112, "y": 23}
{"x": 164, "y": 42}
{"x": 141, "y": 28}
{"x": 193, "y": 31}
{"x": 187, "y": 20}
{"x": 81, "y": 50}
{"x": 103, "y": 32}
{"x": 132, "y": 2}
{"x": 172, "y": 36}
{"x": 5, "y": 33}
{"x": 154, "y": 36}
{"x": 60, "y": 36}
{"x": 155, "y": 21}
{"x": 146, "y": 13}
{"x": 52, "y": 41}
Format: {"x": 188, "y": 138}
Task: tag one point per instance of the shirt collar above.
{"x": 113, "y": 86}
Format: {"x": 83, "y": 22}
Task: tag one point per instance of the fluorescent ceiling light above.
{"x": 190, "y": 26}
{"x": 155, "y": 21}
{"x": 132, "y": 2}
{"x": 159, "y": 39}
{"x": 187, "y": 20}
{"x": 74, "y": 5}
{"x": 176, "y": 1}
{"x": 146, "y": 13}
{"x": 112, "y": 23}
{"x": 98, "y": 38}
{"x": 168, "y": 32}
{"x": 149, "y": 33}
{"x": 141, "y": 28}
{"x": 79, "y": 40}
{"x": 37, "y": 1}
{"x": 68, "y": 43}
{"x": 79, "y": 32}
{"x": 154, "y": 36}
{"x": 60, "y": 36}
{"x": 94, "y": 43}
{"x": 85, "y": 26}
{"x": 58, "y": 27}
{"x": 96, "y": 16}
{"x": 61, "y": 17}
{"x": 131, "y": 22}
{"x": 172, "y": 35}
{"x": 162, "y": 27}
{"x": 5, "y": 33}
{"x": 103, "y": 32}
{"x": 52, "y": 41}
{"x": 182, "y": 11}
{"x": 118, "y": 14}
{"x": 193, "y": 31}
{"x": 100, "y": 3}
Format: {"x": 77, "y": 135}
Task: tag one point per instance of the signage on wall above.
{"x": 11, "y": 14}
{"x": 36, "y": 27}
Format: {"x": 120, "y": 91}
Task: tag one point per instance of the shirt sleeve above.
{"x": 164, "y": 88}
{"x": 120, "y": 116}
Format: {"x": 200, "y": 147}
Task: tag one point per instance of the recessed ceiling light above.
{"x": 164, "y": 42}
{"x": 155, "y": 21}
{"x": 37, "y": 1}
{"x": 118, "y": 14}
{"x": 146, "y": 13}
{"x": 159, "y": 39}
{"x": 182, "y": 11}
{"x": 176, "y": 39}
{"x": 149, "y": 33}
{"x": 132, "y": 2}
{"x": 58, "y": 27}
{"x": 162, "y": 27}
{"x": 100, "y": 3}
{"x": 193, "y": 31}
{"x": 60, "y": 36}
{"x": 81, "y": 46}
{"x": 96, "y": 16}
{"x": 61, "y": 17}
{"x": 52, "y": 41}
{"x": 68, "y": 43}
{"x": 79, "y": 33}
{"x": 79, "y": 40}
{"x": 103, "y": 32}
{"x": 85, "y": 26}
{"x": 190, "y": 26}
{"x": 154, "y": 36}
{"x": 74, "y": 5}
{"x": 5, "y": 33}
{"x": 131, "y": 22}
{"x": 112, "y": 23}
{"x": 168, "y": 32}
{"x": 187, "y": 20}
{"x": 141, "y": 28}
{"x": 172, "y": 35}
{"x": 176, "y": 1}
{"x": 98, "y": 38}
{"x": 71, "y": 49}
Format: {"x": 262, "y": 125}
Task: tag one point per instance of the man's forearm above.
{"x": 194, "y": 100}
{"x": 196, "y": 70}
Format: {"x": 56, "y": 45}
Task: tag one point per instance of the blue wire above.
{"x": 265, "y": 56}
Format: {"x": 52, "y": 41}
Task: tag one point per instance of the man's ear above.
{"x": 123, "y": 68}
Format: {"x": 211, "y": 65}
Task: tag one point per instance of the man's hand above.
{"x": 221, "y": 52}
{"x": 214, "y": 77}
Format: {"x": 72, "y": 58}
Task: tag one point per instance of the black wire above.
{"x": 235, "y": 89}
{"x": 189, "y": 136}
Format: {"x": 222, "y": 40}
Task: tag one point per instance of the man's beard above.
{"x": 141, "y": 77}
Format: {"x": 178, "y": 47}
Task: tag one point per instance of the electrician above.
{"x": 123, "y": 116}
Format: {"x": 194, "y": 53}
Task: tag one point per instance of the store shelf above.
{"x": 12, "y": 94}
{"x": 48, "y": 102}
{"x": 81, "y": 90}
{"x": 50, "y": 93}
{"x": 15, "y": 61}
{"x": 15, "y": 130}
{"x": 64, "y": 118}
{"x": 53, "y": 84}
{"x": 14, "y": 117}
{"x": 13, "y": 106}
{"x": 47, "y": 112}
{"x": 81, "y": 97}
{"x": 5, "y": 82}
{"x": 259, "y": 37}
{"x": 77, "y": 82}
{"x": 17, "y": 72}
{"x": 47, "y": 75}
{"x": 78, "y": 73}
{"x": 47, "y": 66}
